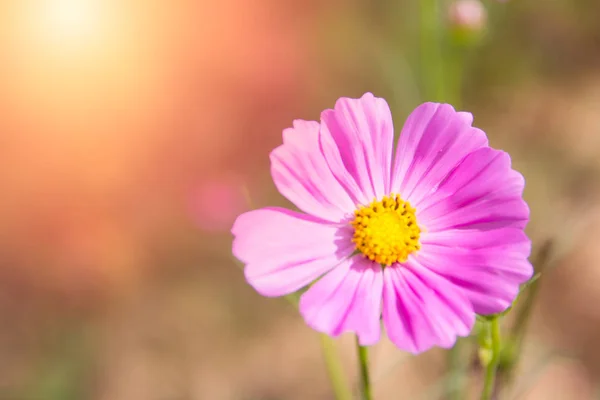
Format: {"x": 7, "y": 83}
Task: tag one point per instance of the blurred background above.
{"x": 133, "y": 132}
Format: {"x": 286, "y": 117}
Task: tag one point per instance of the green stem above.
{"x": 455, "y": 367}
{"x": 454, "y": 77}
{"x": 432, "y": 60}
{"x": 363, "y": 361}
{"x": 522, "y": 318}
{"x": 490, "y": 370}
{"x": 334, "y": 369}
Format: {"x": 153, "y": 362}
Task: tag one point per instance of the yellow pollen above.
{"x": 386, "y": 231}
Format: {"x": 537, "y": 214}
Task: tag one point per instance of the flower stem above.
{"x": 492, "y": 366}
{"x": 363, "y": 362}
{"x": 455, "y": 69}
{"x": 334, "y": 369}
{"x": 541, "y": 264}
{"x": 455, "y": 369}
{"x": 432, "y": 60}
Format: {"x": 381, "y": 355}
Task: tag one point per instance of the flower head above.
{"x": 424, "y": 237}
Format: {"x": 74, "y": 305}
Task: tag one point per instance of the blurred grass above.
{"x": 63, "y": 370}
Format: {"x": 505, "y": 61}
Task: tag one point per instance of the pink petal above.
{"x": 482, "y": 191}
{"x": 434, "y": 139}
{"x": 422, "y": 310}
{"x": 302, "y": 175}
{"x": 347, "y": 299}
{"x": 284, "y": 250}
{"x": 357, "y": 140}
{"x": 489, "y": 265}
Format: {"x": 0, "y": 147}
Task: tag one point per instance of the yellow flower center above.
{"x": 386, "y": 231}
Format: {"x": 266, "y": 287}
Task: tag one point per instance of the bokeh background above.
{"x": 133, "y": 132}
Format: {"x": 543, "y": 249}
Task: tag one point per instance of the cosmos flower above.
{"x": 424, "y": 239}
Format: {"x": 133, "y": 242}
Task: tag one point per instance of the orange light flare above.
{"x": 87, "y": 84}
{"x": 87, "y": 92}
{"x": 77, "y": 56}
{"x": 117, "y": 109}
{"x": 69, "y": 23}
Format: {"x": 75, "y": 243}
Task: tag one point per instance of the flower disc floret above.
{"x": 386, "y": 231}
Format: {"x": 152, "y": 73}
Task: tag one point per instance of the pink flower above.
{"x": 467, "y": 14}
{"x": 217, "y": 201}
{"x": 425, "y": 238}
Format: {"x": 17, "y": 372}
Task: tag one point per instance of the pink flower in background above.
{"x": 467, "y": 14}
{"x": 426, "y": 237}
{"x": 217, "y": 202}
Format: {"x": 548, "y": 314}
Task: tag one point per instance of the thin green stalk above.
{"x": 363, "y": 361}
{"x": 455, "y": 371}
{"x": 432, "y": 60}
{"x": 522, "y": 318}
{"x": 334, "y": 369}
{"x": 492, "y": 366}
{"x": 455, "y": 67}
{"x": 519, "y": 328}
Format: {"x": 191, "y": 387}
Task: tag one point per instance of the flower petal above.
{"x": 488, "y": 265}
{"x": 422, "y": 310}
{"x": 302, "y": 175}
{"x": 434, "y": 139}
{"x": 482, "y": 191}
{"x": 347, "y": 299}
{"x": 357, "y": 140}
{"x": 284, "y": 250}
